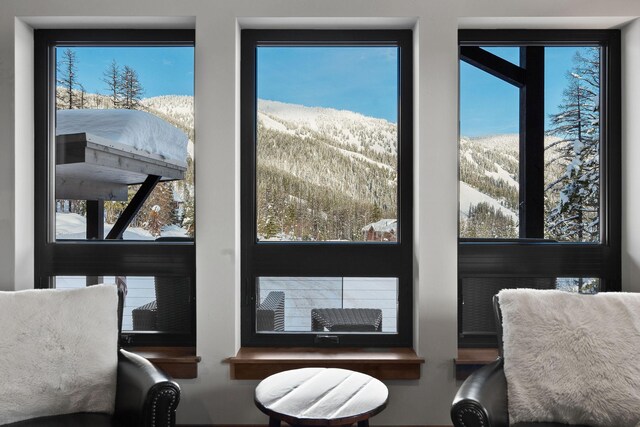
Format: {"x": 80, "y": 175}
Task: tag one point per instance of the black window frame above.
{"x": 286, "y": 259}
{"x": 535, "y": 257}
{"x": 99, "y": 257}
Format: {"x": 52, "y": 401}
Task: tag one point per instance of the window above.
{"x": 539, "y": 167}
{"x": 326, "y": 181}
{"x": 114, "y": 173}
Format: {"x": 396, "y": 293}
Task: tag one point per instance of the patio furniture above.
{"x": 170, "y": 312}
{"x": 270, "y": 313}
{"x": 346, "y": 319}
{"x": 320, "y": 397}
{"x": 145, "y": 317}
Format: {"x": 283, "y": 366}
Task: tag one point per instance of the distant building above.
{"x": 385, "y": 230}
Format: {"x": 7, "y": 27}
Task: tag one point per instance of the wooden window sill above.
{"x": 179, "y": 362}
{"x": 471, "y": 359}
{"x": 255, "y": 363}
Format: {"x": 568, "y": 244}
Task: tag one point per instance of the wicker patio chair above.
{"x": 346, "y": 319}
{"x": 145, "y": 317}
{"x": 170, "y": 312}
{"x": 270, "y": 313}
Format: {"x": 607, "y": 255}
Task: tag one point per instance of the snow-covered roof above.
{"x": 138, "y": 129}
{"x": 382, "y": 226}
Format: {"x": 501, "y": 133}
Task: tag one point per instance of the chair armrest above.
{"x": 145, "y": 396}
{"x": 481, "y": 401}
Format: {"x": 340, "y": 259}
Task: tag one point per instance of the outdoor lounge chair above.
{"x": 270, "y": 313}
{"x": 346, "y": 319}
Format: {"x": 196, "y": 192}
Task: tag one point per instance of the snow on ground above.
{"x": 502, "y": 175}
{"x": 190, "y": 148}
{"x": 74, "y": 226}
{"x": 469, "y": 196}
{"x": 503, "y": 143}
{"x": 469, "y": 156}
{"x": 137, "y": 129}
{"x": 363, "y": 158}
{"x": 269, "y": 123}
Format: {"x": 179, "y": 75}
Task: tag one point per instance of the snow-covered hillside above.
{"x": 489, "y": 175}
{"x": 353, "y": 130}
{"x": 177, "y": 109}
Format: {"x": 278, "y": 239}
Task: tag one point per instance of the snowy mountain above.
{"x": 322, "y": 173}
{"x": 176, "y": 109}
{"x": 353, "y": 131}
{"x": 489, "y": 187}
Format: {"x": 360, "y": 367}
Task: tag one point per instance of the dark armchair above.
{"x": 481, "y": 401}
{"x": 144, "y": 396}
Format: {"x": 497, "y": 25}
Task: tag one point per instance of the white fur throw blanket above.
{"x": 572, "y": 358}
{"x": 58, "y": 352}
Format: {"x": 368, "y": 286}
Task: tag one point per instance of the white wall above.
{"x": 213, "y": 397}
{"x": 630, "y": 157}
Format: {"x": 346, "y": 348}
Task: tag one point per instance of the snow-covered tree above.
{"x": 575, "y": 216}
{"x": 154, "y": 222}
{"x": 485, "y": 221}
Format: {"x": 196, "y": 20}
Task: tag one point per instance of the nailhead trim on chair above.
{"x": 472, "y": 410}
{"x": 154, "y": 406}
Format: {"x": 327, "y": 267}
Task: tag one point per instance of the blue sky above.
{"x": 490, "y": 106}
{"x": 361, "y": 79}
{"x": 161, "y": 70}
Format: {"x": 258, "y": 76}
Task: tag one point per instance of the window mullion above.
{"x": 532, "y": 143}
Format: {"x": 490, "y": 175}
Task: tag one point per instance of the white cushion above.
{"x": 58, "y": 352}
{"x": 572, "y": 358}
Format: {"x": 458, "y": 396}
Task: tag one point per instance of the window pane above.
{"x": 327, "y": 144}
{"x": 327, "y": 304}
{"x": 123, "y": 116}
{"x": 508, "y": 53}
{"x": 584, "y": 285}
{"x": 478, "y": 292}
{"x": 572, "y": 146}
{"x": 152, "y": 303}
{"x": 489, "y": 155}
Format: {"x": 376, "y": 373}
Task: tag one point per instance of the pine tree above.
{"x": 158, "y": 211}
{"x": 67, "y": 79}
{"x": 485, "y": 221}
{"x": 130, "y": 88}
{"x": 111, "y": 76}
{"x": 188, "y": 219}
{"x": 575, "y": 217}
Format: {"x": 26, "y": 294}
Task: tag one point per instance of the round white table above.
{"x": 321, "y": 397}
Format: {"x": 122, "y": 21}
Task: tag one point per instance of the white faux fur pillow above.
{"x": 572, "y": 358}
{"x": 58, "y": 352}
